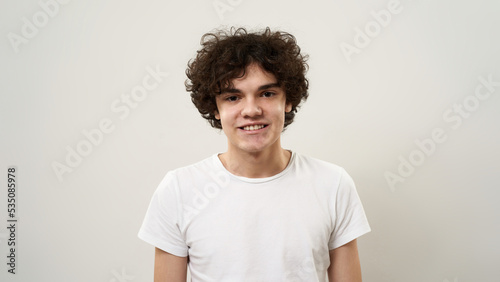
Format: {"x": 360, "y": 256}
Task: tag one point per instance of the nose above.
{"x": 251, "y": 108}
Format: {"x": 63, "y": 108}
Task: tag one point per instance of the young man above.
{"x": 256, "y": 212}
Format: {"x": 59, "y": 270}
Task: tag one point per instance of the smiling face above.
{"x": 252, "y": 112}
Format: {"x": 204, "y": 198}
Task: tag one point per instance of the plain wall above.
{"x": 407, "y": 109}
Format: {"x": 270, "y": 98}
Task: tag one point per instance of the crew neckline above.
{"x": 259, "y": 179}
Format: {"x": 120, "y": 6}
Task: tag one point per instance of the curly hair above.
{"x": 225, "y": 55}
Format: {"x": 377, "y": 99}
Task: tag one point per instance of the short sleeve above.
{"x": 161, "y": 225}
{"x": 349, "y": 218}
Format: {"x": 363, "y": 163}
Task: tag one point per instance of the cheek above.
{"x": 226, "y": 116}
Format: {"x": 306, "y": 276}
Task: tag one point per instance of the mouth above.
{"x": 253, "y": 127}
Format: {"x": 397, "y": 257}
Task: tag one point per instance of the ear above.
{"x": 288, "y": 107}
{"x": 216, "y": 114}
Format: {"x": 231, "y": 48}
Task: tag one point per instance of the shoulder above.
{"x": 314, "y": 165}
{"x": 195, "y": 174}
{"x": 204, "y": 165}
{"x": 321, "y": 171}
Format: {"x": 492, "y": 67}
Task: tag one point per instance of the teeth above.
{"x": 253, "y": 127}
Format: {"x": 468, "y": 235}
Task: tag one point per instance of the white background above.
{"x": 365, "y": 113}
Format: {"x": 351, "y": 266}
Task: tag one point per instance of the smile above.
{"x": 253, "y": 127}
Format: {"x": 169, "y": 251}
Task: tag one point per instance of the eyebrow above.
{"x": 262, "y": 87}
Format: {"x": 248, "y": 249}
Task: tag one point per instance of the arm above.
{"x": 344, "y": 263}
{"x": 169, "y": 268}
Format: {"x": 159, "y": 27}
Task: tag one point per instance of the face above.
{"x": 252, "y": 112}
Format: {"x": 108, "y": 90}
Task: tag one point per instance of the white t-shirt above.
{"x": 233, "y": 228}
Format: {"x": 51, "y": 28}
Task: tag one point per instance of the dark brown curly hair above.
{"x": 225, "y": 55}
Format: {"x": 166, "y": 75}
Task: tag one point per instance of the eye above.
{"x": 231, "y": 98}
{"x": 268, "y": 94}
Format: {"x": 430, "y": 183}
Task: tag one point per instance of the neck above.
{"x": 256, "y": 164}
